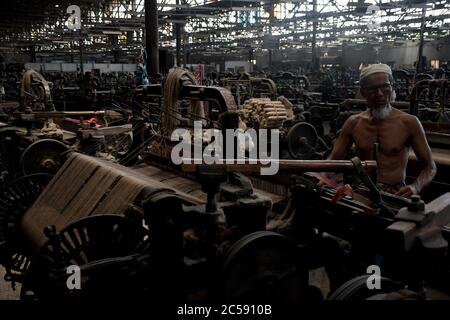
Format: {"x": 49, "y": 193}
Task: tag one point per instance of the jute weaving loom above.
{"x": 87, "y": 186}
{"x": 84, "y": 186}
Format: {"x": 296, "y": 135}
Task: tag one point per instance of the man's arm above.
{"x": 344, "y": 141}
{"x": 423, "y": 152}
{"x": 340, "y": 149}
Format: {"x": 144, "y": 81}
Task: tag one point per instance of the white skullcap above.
{"x": 375, "y": 68}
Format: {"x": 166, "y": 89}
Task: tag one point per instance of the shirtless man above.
{"x": 394, "y": 130}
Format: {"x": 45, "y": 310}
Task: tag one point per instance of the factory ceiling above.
{"x": 217, "y": 27}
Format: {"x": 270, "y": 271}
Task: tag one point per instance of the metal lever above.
{"x": 375, "y": 194}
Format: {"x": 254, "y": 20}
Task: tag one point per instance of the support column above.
{"x": 81, "y": 41}
{"x": 271, "y": 21}
{"x": 315, "y": 57}
{"x": 250, "y": 58}
{"x": 32, "y": 54}
{"x": 178, "y": 39}
{"x": 420, "y": 65}
{"x": 151, "y": 41}
{"x": 116, "y": 54}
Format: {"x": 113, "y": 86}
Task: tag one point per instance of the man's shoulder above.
{"x": 359, "y": 115}
{"x": 410, "y": 122}
{"x": 405, "y": 117}
{"x": 355, "y": 118}
{"x": 352, "y": 122}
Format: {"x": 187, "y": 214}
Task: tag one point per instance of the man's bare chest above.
{"x": 391, "y": 136}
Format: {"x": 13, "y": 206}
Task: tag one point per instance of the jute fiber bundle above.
{"x": 264, "y": 113}
{"x": 170, "y": 116}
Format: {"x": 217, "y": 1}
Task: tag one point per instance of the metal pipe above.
{"x": 283, "y": 165}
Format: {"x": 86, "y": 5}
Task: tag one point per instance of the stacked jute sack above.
{"x": 264, "y": 113}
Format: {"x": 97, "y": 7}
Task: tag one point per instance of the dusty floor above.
{"x": 317, "y": 278}
{"x": 6, "y": 292}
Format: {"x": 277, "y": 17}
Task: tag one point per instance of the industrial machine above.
{"x": 146, "y": 228}
{"x": 245, "y": 87}
{"x": 160, "y": 234}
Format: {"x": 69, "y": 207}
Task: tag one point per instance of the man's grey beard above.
{"x": 381, "y": 113}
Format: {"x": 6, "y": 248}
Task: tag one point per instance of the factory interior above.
{"x": 224, "y": 151}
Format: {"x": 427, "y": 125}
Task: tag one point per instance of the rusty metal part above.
{"x": 420, "y": 226}
{"x": 221, "y": 96}
{"x": 35, "y": 91}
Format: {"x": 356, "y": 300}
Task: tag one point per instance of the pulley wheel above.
{"x": 262, "y": 266}
{"x": 98, "y": 241}
{"x": 357, "y": 289}
{"x": 43, "y": 156}
{"x": 302, "y": 141}
{"x": 15, "y": 199}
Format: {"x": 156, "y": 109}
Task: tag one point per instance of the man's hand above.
{"x": 324, "y": 179}
{"x": 407, "y": 191}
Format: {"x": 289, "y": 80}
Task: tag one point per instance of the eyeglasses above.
{"x": 385, "y": 88}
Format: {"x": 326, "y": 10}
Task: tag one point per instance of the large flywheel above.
{"x": 263, "y": 266}
{"x": 15, "y": 199}
{"x": 43, "y": 156}
{"x": 108, "y": 249}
